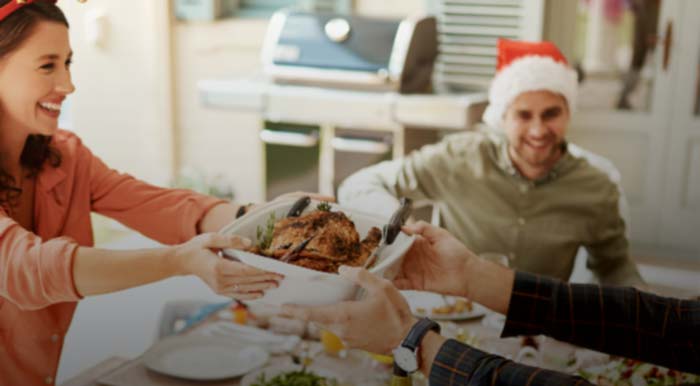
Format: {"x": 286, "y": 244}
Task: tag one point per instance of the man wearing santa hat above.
{"x": 518, "y": 189}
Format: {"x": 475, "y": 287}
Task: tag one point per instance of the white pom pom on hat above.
{"x": 528, "y": 66}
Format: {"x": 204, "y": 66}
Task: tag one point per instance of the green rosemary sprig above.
{"x": 264, "y": 236}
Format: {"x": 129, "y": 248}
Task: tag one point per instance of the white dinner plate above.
{"x": 249, "y": 335}
{"x": 203, "y": 358}
{"x": 274, "y": 370}
{"x": 426, "y": 301}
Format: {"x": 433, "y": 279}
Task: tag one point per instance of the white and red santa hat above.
{"x": 10, "y": 8}
{"x": 14, "y": 5}
{"x": 528, "y": 66}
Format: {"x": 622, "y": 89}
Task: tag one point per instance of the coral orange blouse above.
{"x": 37, "y": 291}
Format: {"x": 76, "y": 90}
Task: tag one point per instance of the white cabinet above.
{"x": 409, "y": 120}
{"x": 639, "y": 107}
{"x": 680, "y": 214}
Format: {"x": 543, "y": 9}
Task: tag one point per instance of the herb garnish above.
{"x": 264, "y": 237}
{"x": 324, "y": 206}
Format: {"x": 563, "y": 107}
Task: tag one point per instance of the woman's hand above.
{"x": 225, "y": 277}
{"x": 377, "y": 323}
{"x": 437, "y": 261}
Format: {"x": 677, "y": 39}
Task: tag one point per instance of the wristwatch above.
{"x": 406, "y": 356}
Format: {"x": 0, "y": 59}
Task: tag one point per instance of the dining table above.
{"x": 479, "y": 327}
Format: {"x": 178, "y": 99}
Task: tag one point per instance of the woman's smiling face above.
{"x": 35, "y": 80}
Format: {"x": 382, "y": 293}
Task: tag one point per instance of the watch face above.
{"x": 406, "y": 359}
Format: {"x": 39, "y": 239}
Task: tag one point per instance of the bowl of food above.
{"x": 308, "y": 240}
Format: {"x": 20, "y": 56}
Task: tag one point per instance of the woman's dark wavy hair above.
{"x": 37, "y": 151}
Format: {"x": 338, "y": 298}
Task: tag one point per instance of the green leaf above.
{"x": 296, "y": 378}
{"x": 264, "y": 238}
{"x": 324, "y": 206}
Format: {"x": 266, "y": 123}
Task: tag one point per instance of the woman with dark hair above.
{"x": 49, "y": 184}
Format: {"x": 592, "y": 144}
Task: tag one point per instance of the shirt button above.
{"x": 54, "y": 338}
{"x": 524, "y": 189}
{"x": 521, "y": 221}
{"x": 48, "y": 380}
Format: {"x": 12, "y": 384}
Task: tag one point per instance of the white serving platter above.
{"x": 305, "y": 286}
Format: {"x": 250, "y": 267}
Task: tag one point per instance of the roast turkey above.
{"x": 321, "y": 240}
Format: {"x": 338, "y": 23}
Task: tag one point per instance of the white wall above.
{"x": 121, "y": 107}
{"x": 219, "y": 142}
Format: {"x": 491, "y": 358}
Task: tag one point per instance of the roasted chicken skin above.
{"x": 329, "y": 240}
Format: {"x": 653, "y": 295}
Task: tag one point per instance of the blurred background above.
{"x": 175, "y": 92}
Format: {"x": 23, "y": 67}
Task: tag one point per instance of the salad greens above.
{"x": 301, "y": 377}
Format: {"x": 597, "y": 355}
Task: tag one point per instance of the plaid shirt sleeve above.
{"x": 459, "y": 364}
{"x": 616, "y": 320}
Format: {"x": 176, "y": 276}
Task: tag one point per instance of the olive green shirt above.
{"x": 485, "y": 202}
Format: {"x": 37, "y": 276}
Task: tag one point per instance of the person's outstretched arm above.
{"x": 449, "y": 362}
{"x": 37, "y": 273}
{"x": 616, "y": 320}
{"x": 99, "y": 271}
{"x": 446, "y": 362}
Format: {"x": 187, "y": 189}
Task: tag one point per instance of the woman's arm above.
{"x": 99, "y": 271}
{"x": 169, "y": 216}
{"x": 218, "y": 217}
{"x": 36, "y": 273}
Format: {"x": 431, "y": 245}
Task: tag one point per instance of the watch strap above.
{"x": 413, "y": 340}
{"x": 418, "y": 331}
{"x": 398, "y": 373}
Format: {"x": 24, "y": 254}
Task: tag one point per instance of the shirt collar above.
{"x": 49, "y": 177}
{"x": 501, "y": 158}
